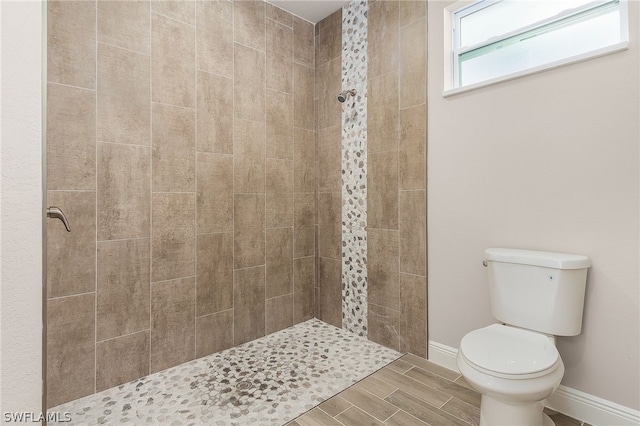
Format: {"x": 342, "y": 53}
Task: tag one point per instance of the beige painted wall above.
{"x": 551, "y": 162}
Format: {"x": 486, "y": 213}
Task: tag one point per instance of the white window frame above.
{"x": 452, "y": 49}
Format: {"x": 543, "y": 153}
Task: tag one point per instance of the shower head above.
{"x": 345, "y": 94}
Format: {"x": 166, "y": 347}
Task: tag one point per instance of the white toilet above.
{"x": 515, "y": 365}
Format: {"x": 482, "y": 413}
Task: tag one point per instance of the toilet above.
{"x": 515, "y": 365}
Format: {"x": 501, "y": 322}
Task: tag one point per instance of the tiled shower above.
{"x": 197, "y": 149}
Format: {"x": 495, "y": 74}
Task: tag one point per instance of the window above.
{"x": 495, "y": 40}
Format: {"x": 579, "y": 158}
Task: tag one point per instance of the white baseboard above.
{"x": 571, "y": 402}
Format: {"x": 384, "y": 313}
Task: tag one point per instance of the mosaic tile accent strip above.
{"x": 268, "y": 381}
{"x": 354, "y": 168}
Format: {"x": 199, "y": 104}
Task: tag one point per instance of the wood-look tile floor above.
{"x": 410, "y": 391}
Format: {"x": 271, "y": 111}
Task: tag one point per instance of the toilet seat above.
{"x": 509, "y": 352}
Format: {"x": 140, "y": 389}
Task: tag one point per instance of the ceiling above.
{"x": 310, "y": 10}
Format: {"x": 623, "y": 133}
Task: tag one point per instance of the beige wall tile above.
{"x": 71, "y": 256}
{"x": 182, "y": 10}
{"x": 123, "y": 288}
{"x": 249, "y": 230}
{"x": 279, "y": 125}
{"x": 413, "y": 232}
{"x": 382, "y": 268}
{"x": 383, "y": 326}
{"x": 173, "y": 242}
{"x": 279, "y": 176}
{"x": 330, "y": 159}
{"x": 330, "y": 221}
{"x": 214, "y": 37}
{"x": 329, "y": 38}
{"x": 123, "y": 96}
{"x": 279, "y": 252}
{"x": 214, "y": 333}
{"x": 214, "y": 275}
{"x": 411, "y": 11}
{"x": 214, "y": 193}
{"x": 71, "y": 43}
{"x": 413, "y": 314}
{"x": 303, "y": 42}
{"x": 125, "y": 24}
{"x": 124, "y": 191}
{"x": 248, "y": 157}
{"x": 279, "y": 314}
{"x": 303, "y": 87}
{"x": 174, "y": 149}
{"x": 303, "y": 289}
{"x": 382, "y": 35}
{"x": 172, "y": 62}
{"x": 71, "y": 138}
{"x": 278, "y": 15}
{"x": 304, "y": 212}
{"x": 279, "y": 57}
{"x": 329, "y": 85}
{"x": 215, "y": 112}
{"x": 249, "y": 304}
{"x": 172, "y": 323}
{"x": 122, "y": 359}
{"x": 70, "y": 348}
{"x": 382, "y": 114}
{"x": 412, "y": 159}
{"x": 279, "y": 210}
{"x": 330, "y": 291}
{"x": 248, "y": 18}
{"x": 382, "y": 190}
{"x": 304, "y": 178}
{"x": 413, "y": 64}
{"x": 249, "y": 81}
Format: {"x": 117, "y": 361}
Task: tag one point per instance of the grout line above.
{"x": 150, "y": 189}
{"x": 78, "y": 87}
{"x": 123, "y": 144}
{"x": 95, "y": 283}
{"x": 172, "y": 18}
{"x": 98, "y": 43}
{"x": 174, "y": 106}
{"x": 122, "y": 239}
{"x": 233, "y": 172}
{"x": 195, "y": 183}
{"x": 70, "y": 295}
{"x": 396, "y": 412}
{"x": 124, "y": 335}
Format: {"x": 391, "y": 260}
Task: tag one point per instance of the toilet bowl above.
{"x": 514, "y": 370}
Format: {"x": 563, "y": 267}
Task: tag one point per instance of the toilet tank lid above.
{"x": 537, "y": 258}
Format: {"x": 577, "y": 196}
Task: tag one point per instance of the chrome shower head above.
{"x": 345, "y": 94}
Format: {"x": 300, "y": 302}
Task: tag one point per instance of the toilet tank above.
{"x": 536, "y": 290}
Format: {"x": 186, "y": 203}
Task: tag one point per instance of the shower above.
{"x": 345, "y": 94}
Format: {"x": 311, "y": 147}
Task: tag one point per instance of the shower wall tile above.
{"x": 279, "y": 313}
{"x": 214, "y": 274}
{"x": 214, "y": 193}
{"x": 384, "y": 326}
{"x": 123, "y": 288}
{"x": 71, "y": 43}
{"x": 382, "y": 187}
{"x": 303, "y": 290}
{"x": 383, "y": 115}
{"x": 124, "y": 192}
{"x": 413, "y": 70}
{"x": 411, "y": 11}
{"x": 182, "y": 10}
{"x": 330, "y": 290}
{"x": 248, "y": 157}
{"x": 412, "y": 157}
{"x": 121, "y": 360}
{"x": 303, "y": 86}
{"x": 249, "y": 304}
{"x": 71, "y": 138}
{"x": 413, "y": 314}
{"x": 279, "y": 125}
{"x": 303, "y": 42}
{"x": 382, "y": 268}
{"x": 215, "y": 112}
{"x": 123, "y": 96}
{"x": 173, "y": 242}
{"x": 249, "y": 23}
{"x": 279, "y": 56}
{"x": 328, "y": 84}
{"x": 279, "y": 210}
{"x": 330, "y": 159}
{"x": 383, "y": 50}
{"x": 304, "y": 211}
{"x": 125, "y": 24}
{"x": 279, "y": 176}
{"x": 249, "y": 81}
{"x": 76, "y": 248}
{"x": 330, "y": 221}
{"x": 214, "y": 333}
{"x": 172, "y": 323}
{"x": 329, "y": 38}
{"x": 279, "y": 15}
{"x": 70, "y": 348}
{"x": 174, "y": 144}
{"x": 172, "y": 61}
{"x": 413, "y": 232}
{"x": 304, "y": 176}
{"x": 249, "y": 234}
{"x": 214, "y": 37}
{"x": 279, "y": 258}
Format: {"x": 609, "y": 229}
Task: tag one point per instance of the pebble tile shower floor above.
{"x": 268, "y": 381}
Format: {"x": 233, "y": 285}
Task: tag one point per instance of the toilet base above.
{"x": 494, "y": 412}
